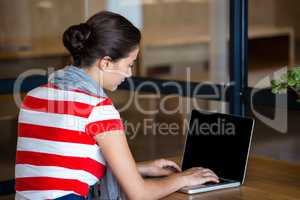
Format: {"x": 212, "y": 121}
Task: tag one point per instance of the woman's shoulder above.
{"x": 50, "y": 91}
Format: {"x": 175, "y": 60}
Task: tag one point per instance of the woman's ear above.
{"x": 103, "y": 63}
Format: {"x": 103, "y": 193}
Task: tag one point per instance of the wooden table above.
{"x": 266, "y": 179}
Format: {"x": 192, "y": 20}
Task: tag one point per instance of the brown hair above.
{"x": 104, "y": 34}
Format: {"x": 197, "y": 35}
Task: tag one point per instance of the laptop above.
{"x": 220, "y": 142}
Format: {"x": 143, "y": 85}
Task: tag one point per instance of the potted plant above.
{"x": 289, "y": 80}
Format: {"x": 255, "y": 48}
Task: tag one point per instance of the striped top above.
{"x": 56, "y": 152}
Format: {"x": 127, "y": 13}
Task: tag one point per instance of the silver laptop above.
{"x": 220, "y": 142}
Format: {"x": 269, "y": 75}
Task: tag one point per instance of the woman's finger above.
{"x": 210, "y": 179}
{"x": 208, "y": 174}
{"x": 210, "y": 171}
{"x": 167, "y": 171}
{"x": 172, "y": 164}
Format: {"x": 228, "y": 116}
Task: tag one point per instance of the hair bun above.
{"x": 75, "y": 37}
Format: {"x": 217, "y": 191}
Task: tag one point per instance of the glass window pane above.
{"x": 273, "y": 32}
{"x": 156, "y": 124}
{"x": 273, "y": 43}
{"x": 30, "y": 41}
{"x": 182, "y": 39}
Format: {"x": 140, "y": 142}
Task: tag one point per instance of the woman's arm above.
{"x": 115, "y": 149}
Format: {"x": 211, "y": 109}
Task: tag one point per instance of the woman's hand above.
{"x": 160, "y": 167}
{"x": 198, "y": 176}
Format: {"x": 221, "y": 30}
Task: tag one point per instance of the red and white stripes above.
{"x": 56, "y": 152}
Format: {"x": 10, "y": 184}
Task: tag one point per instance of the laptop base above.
{"x": 207, "y": 188}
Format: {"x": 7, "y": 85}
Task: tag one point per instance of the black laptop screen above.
{"x": 219, "y": 142}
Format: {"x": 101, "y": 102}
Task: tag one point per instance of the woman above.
{"x": 69, "y": 130}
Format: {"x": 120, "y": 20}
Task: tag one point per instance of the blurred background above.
{"x": 182, "y": 40}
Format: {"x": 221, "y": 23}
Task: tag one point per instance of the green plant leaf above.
{"x": 275, "y": 83}
{"x": 295, "y": 73}
{"x": 291, "y": 82}
{"x": 296, "y": 70}
{"x": 274, "y": 90}
{"x": 289, "y": 79}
